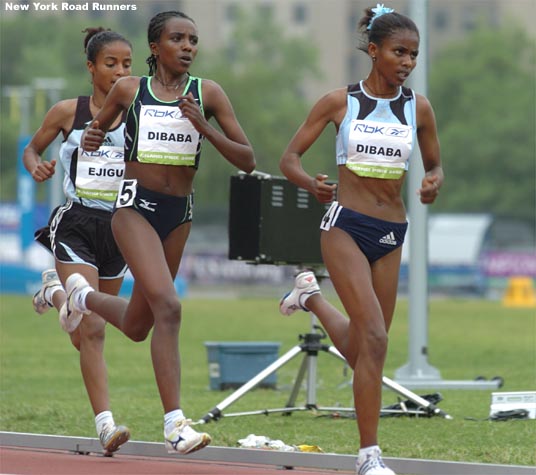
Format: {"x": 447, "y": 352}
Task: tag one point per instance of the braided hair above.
{"x": 98, "y": 37}
{"x": 154, "y": 31}
{"x": 382, "y": 27}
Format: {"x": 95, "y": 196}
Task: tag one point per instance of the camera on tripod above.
{"x": 272, "y": 221}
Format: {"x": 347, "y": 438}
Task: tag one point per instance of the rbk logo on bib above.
{"x": 379, "y": 149}
{"x": 99, "y": 173}
{"x": 166, "y": 137}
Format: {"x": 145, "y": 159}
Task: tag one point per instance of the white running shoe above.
{"x": 49, "y": 279}
{"x": 185, "y": 440}
{"x": 112, "y": 437}
{"x": 371, "y": 463}
{"x": 70, "y": 313}
{"x": 305, "y": 286}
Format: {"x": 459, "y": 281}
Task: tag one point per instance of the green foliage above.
{"x": 52, "y": 49}
{"x": 483, "y": 92}
{"x": 49, "y": 50}
{"x": 42, "y": 391}
{"x": 262, "y": 72}
{"x": 482, "y": 88}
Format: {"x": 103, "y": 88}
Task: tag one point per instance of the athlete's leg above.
{"x": 59, "y": 297}
{"x": 178, "y": 435}
{"x": 92, "y": 362}
{"x": 165, "y": 337}
{"x": 89, "y": 337}
{"x": 336, "y": 324}
{"x": 385, "y": 272}
{"x": 350, "y": 273}
{"x": 154, "y": 266}
{"x": 142, "y": 250}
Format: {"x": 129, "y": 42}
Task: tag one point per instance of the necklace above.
{"x": 377, "y": 94}
{"x": 94, "y": 103}
{"x": 174, "y": 86}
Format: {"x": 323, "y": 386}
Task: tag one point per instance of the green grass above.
{"x": 41, "y": 389}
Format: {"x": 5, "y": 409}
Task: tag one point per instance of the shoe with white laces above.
{"x": 71, "y": 312}
{"x": 49, "y": 279}
{"x": 185, "y": 440}
{"x": 371, "y": 463}
{"x": 305, "y": 286}
{"x": 112, "y": 437}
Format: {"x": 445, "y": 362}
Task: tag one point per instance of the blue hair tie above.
{"x": 378, "y": 12}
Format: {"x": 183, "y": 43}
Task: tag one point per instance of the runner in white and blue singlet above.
{"x": 79, "y": 233}
{"x": 378, "y": 122}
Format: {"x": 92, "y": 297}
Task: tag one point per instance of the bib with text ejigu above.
{"x": 99, "y": 173}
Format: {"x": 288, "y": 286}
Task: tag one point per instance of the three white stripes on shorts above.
{"x": 330, "y": 218}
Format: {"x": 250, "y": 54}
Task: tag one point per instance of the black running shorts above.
{"x": 78, "y": 234}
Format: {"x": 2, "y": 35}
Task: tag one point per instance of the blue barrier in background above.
{"x": 16, "y": 279}
{"x": 25, "y": 197}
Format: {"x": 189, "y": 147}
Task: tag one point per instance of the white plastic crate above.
{"x": 509, "y": 401}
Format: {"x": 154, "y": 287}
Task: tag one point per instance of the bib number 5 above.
{"x": 126, "y": 194}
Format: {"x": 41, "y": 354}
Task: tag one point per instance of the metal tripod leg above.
{"x": 425, "y": 404}
{"x": 297, "y": 383}
{"x": 216, "y": 412}
{"x": 309, "y": 366}
{"x": 311, "y": 347}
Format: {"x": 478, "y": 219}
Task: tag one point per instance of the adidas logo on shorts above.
{"x": 388, "y": 239}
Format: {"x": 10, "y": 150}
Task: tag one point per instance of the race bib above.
{"x": 99, "y": 173}
{"x": 166, "y": 137}
{"x": 379, "y": 149}
{"x": 127, "y": 193}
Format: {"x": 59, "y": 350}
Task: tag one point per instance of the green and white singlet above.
{"x": 156, "y": 131}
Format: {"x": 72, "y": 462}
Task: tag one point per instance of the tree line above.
{"x": 482, "y": 88}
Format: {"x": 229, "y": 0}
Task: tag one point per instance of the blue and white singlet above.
{"x": 376, "y": 137}
{"x": 92, "y": 178}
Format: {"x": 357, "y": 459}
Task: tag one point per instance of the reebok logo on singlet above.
{"x": 388, "y": 239}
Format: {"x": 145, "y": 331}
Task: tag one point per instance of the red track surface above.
{"x": 15, "y": 461}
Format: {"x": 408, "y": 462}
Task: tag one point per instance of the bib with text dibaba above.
{"x": 379, "y": 149}
{"x": 166, "y": 137}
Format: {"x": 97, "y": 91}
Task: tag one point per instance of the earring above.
{"x": 374, "y": 58}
